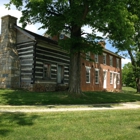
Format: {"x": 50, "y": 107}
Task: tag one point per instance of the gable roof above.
{"x": 35, "y": 37}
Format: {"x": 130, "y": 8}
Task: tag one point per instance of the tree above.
{"x": 133, "y": 50}
{"x": 109, "y": 16}
{"x": 128, "y": 77}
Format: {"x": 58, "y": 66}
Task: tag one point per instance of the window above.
{"x": 111, "y": 60}
{"x": 60, "y": 74}
{"x": 117, "y": 63}
{"x": 46, "y": 71}
{"x": 61, "y": 36}
{"x": 111, "y": 78}
{"x": 87, "y": 55}
{"x": 118, "y": 78}
{"x": 88, "y": 74}
{"x": 96, "y": 76}
{"x": 104, "y": 58}
{"x": 96, "y": 58}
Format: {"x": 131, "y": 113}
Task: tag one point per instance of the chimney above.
{"x": 102, "y": 43}
{"x": 9, "y": 61}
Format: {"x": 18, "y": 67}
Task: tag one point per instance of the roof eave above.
{"x": 105, "y": 50}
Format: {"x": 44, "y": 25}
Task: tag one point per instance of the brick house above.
{"x": 34, "y": 62}
{"x": 102, "y": 74}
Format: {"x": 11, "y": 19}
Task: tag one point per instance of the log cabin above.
{"x": 38, "y": 63}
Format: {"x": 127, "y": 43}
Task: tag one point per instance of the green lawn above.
{"x": 84, "y": 125}
{"x": 20, "y": 97}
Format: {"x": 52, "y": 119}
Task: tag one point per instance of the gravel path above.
{"x": 48, "y": 108}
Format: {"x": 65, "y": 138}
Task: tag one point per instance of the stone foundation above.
{"x": 43, "y": 87}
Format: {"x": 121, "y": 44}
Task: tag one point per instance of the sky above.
{"x": 34, "y": 28}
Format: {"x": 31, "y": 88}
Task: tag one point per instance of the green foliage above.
{"x": 128, "y": 77}
{"x": 112, "y": 18}
{"x": 115, "y": 18}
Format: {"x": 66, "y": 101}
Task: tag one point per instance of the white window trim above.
{"x": 88, "y": 68}
{"x": 98, "y": 76}
{"x": 96, "y": 57}
{"x": 118, "y": 81}
{"x": 105, "y": 70}
{"x": 111, "y": 78}
{"x": 111, "y": 60}
{"x": 117, "y": 62}
{"x": 61, "y": 36}
{"x": 87, "y": 56}
{"x": 104, "y": 54}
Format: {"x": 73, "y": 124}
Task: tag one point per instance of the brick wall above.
{"x": 92, "y": 86}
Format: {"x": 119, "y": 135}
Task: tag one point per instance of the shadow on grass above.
{"x": 10, "y": 120}
{"x": 20, "y": 97}
{"x": 101, "y": 105}
{"x": 138, "y": 127}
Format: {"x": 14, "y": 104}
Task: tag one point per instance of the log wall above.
{"x": 53, "y": 55}
{"x": 26, "y": 56}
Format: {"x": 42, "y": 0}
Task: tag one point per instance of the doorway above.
{"x": 115, "y": 80}
{"x": 104, "y": 79}
{"x": 60, "y": 74}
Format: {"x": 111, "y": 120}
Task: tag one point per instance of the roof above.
{"x": 110, "y": 52}
{"x": 35, "y": 36}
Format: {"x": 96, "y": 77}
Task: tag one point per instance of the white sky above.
{"x": 34, "y": 28}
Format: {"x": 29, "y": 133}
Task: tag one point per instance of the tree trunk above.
{"x": 75, "y": 61}
{"x": 138, "y": 84}
{"x": 75, "y": 74}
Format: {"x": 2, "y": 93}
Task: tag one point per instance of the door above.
{"x": 115, "y": 80}
{"x": 104, "y": 79}
{"x": 60, "y": 74}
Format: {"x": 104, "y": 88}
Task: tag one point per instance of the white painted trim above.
{"x": 97, "y": 58}
{"x": 98, "y": 76}
{"x": 111, "y": 79}
{"x": 96, "y": 69}
{"x": 87, "y": 56}
{"x": 105, "y": 70}
{"x": 88, "y": 68}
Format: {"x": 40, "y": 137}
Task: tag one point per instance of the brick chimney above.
{"x": 9, "y": 61}
{"x": 102, "y": 43}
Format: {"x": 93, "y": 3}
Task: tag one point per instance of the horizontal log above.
{"x": 25, "y": 74}
{"x": 25, "y": 44}
{"x": 55, "y": 49}
{"x": 53, "y": 53}
{"x": 49, "y": 61}
{"x": 26, "y": 56}
{"x": 52, "y": 59}
{"x": 25, "y": 49}
{"x": 48, "y": 56}
{"x": 25, "y": 52}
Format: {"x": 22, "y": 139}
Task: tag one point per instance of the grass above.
{"x": 20, "y": 97}
{"x": 88, "y": 125}
{"x": 80, "y": 125}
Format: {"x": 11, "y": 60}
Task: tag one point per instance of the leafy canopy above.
{"x": 128, "y": 77}
{"x": 108, "y": 16}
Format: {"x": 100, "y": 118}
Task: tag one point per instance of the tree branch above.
{"x": 132, "y": 58}
{"x": 85, "y": 11}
